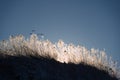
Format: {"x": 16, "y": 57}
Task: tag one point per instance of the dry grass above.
{"x": 65, "y": 53}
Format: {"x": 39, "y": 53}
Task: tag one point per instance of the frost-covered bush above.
{"x": 64, "y": 53}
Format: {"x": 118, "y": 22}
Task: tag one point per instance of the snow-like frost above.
{"x": 64, "y": 53}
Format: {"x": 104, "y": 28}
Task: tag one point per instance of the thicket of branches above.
{"x": 65, "y": 53}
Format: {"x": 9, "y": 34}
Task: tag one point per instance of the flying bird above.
{"x": 41, "y": 35}
{"x": 33, "y": 31}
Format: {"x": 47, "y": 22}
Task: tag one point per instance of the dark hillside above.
{"x": 33, "y": 68}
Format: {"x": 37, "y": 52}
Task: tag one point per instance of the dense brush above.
{"x": 64, "y": 53}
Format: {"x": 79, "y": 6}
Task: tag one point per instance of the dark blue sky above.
{"x": 92, "y": 23}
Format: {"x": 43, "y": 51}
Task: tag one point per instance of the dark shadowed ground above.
{"x": 33, "y": 68}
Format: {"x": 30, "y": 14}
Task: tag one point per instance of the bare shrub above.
{"x": 65, "y": 53}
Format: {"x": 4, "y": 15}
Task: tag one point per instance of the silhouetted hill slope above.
{"x": 40, "y": 68}
{"x": 36, "y": 59}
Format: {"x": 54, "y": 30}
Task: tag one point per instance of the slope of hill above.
{"x": 34, "y": 59}
{"x": 33, "y": 68}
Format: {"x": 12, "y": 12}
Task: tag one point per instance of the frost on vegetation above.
{"x": 65, "y": 53}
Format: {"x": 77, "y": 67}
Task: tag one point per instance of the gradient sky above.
{"x": 91, "y": 23}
